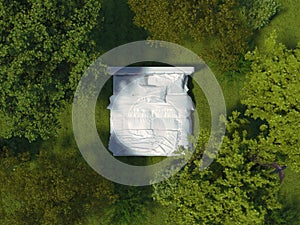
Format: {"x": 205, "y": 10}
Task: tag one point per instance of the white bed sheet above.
{"x": 151, "y": 114}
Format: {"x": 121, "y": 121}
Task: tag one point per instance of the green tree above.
{"x": 258, "y": 13}
{"x": 272, "y": 94}
{"x": 51, "y": 189}
{"x": 131, "y": 207}
{"x": 218, "y": 25}
{"x": 237, "y": 188}
{"x": 233, "y": 190}
{"x": 44, "y": 49}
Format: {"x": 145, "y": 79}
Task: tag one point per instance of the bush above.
{"x": 259, "y": 12}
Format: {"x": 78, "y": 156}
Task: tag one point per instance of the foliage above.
{"x": 259, "y": 12}
{"x": 52, "y": 189}
{"x": 272, "y": 94}
{"x": 286, "y": 24}
{"x": 283, "y": 217}
{"x": 160, "y": 19}
{"x": 290, "y": 198}
{"x": 215, "y": 23}
{"x": 233, "y": 190}
{"x": 45, "y": 48}
{"x": 130, "y": 208}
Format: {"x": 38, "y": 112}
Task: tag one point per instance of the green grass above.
{"x": 290, "y": 197}
{"x": 286, "y": 23}
{"x": 231, "y": 85}
{"x": 118, "y": 29}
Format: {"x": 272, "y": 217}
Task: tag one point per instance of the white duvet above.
{"x": 151, "y": 114}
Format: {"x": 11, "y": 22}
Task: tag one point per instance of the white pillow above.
{"x": 164, "y": 79}
{"x": 157, "y": 92}
{"x": 176, "y": 83}
{"x": 123, "y": 83}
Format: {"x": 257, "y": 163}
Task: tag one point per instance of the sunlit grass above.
{"x": 287, "y": 26}
{"x": 290, "y": 197}
{"x": 286, "y": 23}
{"x": 118, "y": 30}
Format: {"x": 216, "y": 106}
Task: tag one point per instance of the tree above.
{"x": 218, "y": 25}
{"x": 45, "y": 48}
{"x": 238, "y": 187}
{"x": 162, "y": 19}
{"x": 51, "y": 189}
{"x": 233, "y": 190}
{"x": 259, "y": 12}
{"x": 272, "y": 95}
{"x": 131, "y": 207}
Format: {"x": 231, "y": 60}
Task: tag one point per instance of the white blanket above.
{"x": 150, "y": 114}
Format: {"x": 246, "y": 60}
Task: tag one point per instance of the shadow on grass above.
{"x": 289, "y": 196}
{"x": 116, "y": 27}
{"x": 252, "y": 126}
{"x": 201, "y": 104}
{"x": 102, "y": 114}
{"x": 21, "y": 145}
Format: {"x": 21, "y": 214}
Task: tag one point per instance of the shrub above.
{"x": 259, "y": 12}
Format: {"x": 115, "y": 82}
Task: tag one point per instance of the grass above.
{"x": 287, "y": 26}
{"x": 231, "y": 85}
{"x": 118, "y": 29}
{"x": 286, "y": 23}
{"x": 290, "y": 197}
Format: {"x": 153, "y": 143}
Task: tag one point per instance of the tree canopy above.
{"x": 45, "y": 48}
{"x": 238, "y": 186}
{"x": 232, "y": 190}
{"x": 259, "y": 12}
{"x": 50, "y": 189}
{"x": 223, "y": 28}
{"x": 218, "y": 25}
{"x": 272, "y": 94}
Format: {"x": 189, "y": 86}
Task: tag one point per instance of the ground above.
{"x": 288, "y": 28}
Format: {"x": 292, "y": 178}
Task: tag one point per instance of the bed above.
{"x": 150, "y": 111}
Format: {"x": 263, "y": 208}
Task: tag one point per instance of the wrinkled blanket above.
{"x": 150, "y": 114}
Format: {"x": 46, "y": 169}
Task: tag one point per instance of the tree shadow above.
{"x": 17, "y": 145}
{"x": 115, "y": 26}
{"x": 102, "y": 113}
{"x": 253, "y": 125}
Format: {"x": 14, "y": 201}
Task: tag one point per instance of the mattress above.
{"x": 150, "y": 112}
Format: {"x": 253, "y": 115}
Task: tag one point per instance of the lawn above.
{"x": 118, "y": 29}
{"x": 290, "y": 197}
{"x": 288, "y": 28}
{"x": 286, "y": 23}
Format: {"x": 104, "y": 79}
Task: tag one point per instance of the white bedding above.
{"x": 151, "y": 114}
